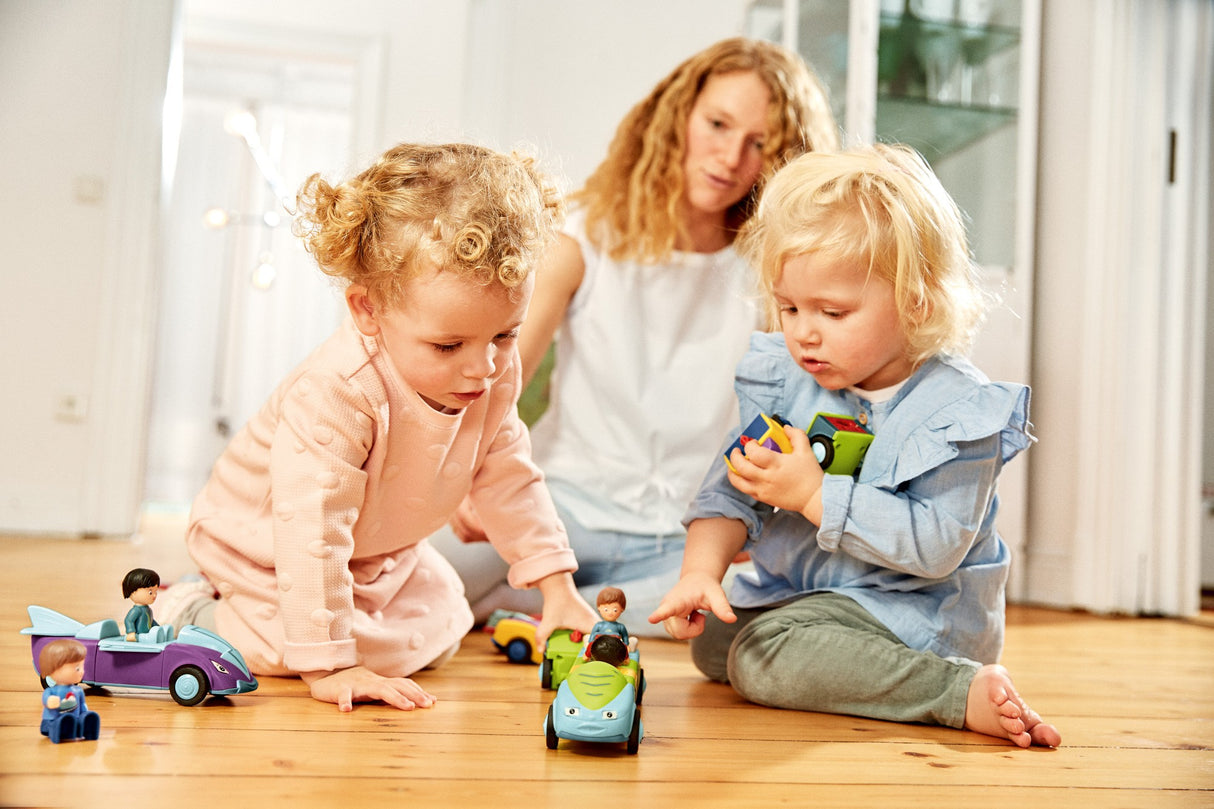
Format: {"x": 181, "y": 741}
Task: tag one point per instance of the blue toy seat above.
{"x": 100, "y": 630}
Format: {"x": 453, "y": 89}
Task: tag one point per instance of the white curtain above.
{"x": 1139, "y": 472}
{"x": 241, "y": 303}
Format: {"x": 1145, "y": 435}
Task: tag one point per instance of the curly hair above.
{"x": 457, "y": 207}
{"x": 632, "y": 199}
{"x": 883, "y": 206}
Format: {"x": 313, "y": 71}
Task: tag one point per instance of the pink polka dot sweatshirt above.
{"x": 312, "y": 526}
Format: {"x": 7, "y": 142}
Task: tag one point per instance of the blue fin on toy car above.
{"x": 50, "y": 623}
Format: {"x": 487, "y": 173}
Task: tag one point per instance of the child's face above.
{"x": 726, "y": 129}
{"x": 450, "y": 338}
{"x": 841, "y": 325}
{"x": 610, "y": 611}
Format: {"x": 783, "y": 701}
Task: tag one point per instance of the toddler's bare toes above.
{"x": 1012, "y": 725}
{"x": 1041, "y": 733}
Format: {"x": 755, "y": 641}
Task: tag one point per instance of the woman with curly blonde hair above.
{"x": 311, "y": 532}
{"x": 651, "y": 307}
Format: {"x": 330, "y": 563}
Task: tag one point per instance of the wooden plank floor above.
{"x": 1134, "y": 699}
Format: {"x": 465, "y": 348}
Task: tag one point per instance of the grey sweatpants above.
{"x": 824, "y": 652}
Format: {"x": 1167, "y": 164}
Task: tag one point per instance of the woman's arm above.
{"x": 556, "y": 281}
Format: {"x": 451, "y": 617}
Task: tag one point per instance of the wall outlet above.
{"x": 89, "y": 189}
{"x": 72, "y": 407}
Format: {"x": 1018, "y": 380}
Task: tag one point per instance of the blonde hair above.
{"x": 633, "y": 198}
{"x": 456, "y": 207}
{"x": 882, "y": 206}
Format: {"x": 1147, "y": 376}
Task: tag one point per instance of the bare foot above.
{"x": 993, "y": 707}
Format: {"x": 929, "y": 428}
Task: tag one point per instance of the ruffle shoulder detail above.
{"x": 761, "y": 374}
{"x": 965, "y": 407}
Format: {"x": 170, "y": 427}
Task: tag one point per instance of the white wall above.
{"x": 560, "y": 74}
{"x": 553, "y": 74}
{"x": 81, "y": 84}
{"x": 423, "y": 52}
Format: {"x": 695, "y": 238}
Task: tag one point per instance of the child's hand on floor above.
{"x": 680, "y": 613}
{"x": 564, "y": 608}
{"x": 358, "y": 684}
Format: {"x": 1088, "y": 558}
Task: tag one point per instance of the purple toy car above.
{"x": 191, "y": 666}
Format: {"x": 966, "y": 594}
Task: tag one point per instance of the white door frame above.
{"x": 116, "y": 458}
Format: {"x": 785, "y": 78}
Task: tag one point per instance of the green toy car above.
{"x": 839, "y": 443}
{"x": 561, "y": 652}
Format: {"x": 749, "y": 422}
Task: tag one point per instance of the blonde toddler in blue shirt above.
{"x": 878, "y": 595}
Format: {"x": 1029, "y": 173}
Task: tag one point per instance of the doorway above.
{"x": 241, "y": 302}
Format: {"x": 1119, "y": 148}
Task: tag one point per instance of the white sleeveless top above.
{"x": 642, "y": 393}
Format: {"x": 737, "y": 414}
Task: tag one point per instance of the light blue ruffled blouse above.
{"x": 913, "y": 538}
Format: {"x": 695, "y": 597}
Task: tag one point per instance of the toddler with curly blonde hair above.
{"x": 311, "y": 532}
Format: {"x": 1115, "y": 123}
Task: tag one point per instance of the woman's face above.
{"x": 726, "y": 130}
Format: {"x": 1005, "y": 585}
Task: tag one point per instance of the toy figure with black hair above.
{"x": 609, "y": 649}
{"x": 141, "y": 586}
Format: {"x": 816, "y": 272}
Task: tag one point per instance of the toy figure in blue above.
{"x": 141, "y": 586}
{"x": 881, "y": 594}
{"x": 611, "y": 603}
{"x": 65, "y": 715}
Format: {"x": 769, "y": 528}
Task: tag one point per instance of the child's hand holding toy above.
{"x": 790, "y": 480}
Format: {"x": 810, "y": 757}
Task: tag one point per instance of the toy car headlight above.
{"x": 571, "y": 710}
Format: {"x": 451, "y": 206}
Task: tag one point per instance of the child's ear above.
{"x": 362, "y": 310}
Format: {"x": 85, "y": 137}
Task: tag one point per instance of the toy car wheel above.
{"x": 823, "y": 449}
{"x": 640, "y": 689}
{"x": 550, "y": 731}
{"x": 546, "y": 674}
{"x": 634, "y": 736}
{"x": 188, "y": 685}
{"x": 518, "y": 651}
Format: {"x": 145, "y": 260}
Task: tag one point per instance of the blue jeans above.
{"x": 645, "y": 567}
